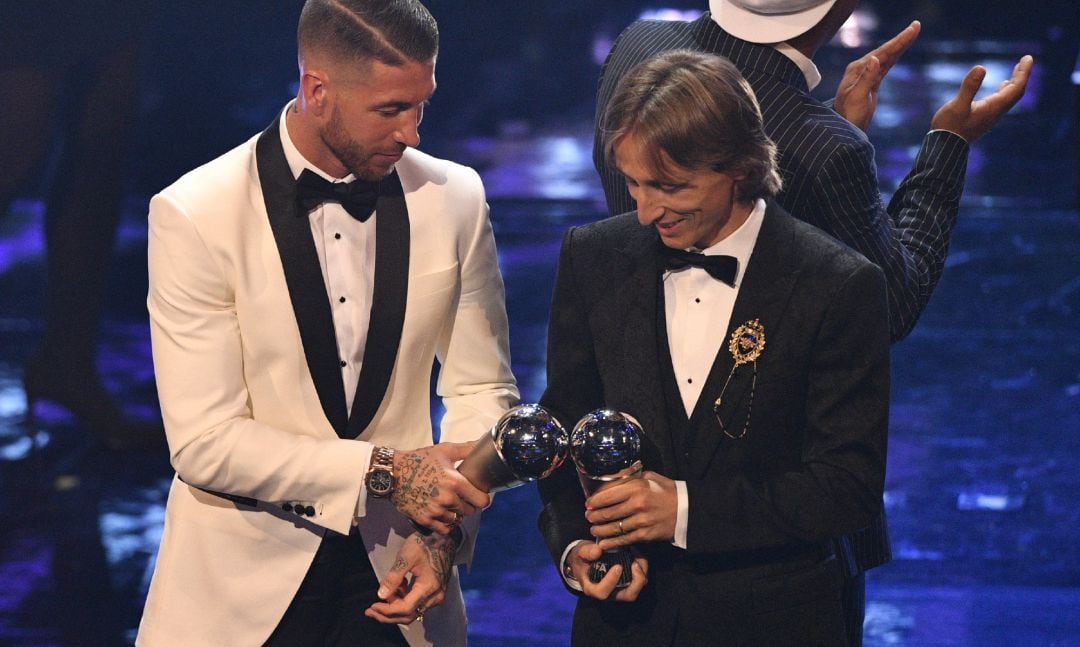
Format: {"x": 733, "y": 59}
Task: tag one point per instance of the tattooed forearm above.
{"x": 440, "y": 550}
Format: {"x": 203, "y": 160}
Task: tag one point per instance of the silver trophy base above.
{"x": 621, "y": 556}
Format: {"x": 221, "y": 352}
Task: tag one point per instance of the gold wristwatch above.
{"x": 380, "y": 475}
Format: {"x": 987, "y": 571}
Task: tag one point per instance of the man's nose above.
{"x": 649, "y": 210}
{"x": 408, "y": 132}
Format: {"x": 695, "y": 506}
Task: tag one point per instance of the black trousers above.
{"x": 328, "y": 609}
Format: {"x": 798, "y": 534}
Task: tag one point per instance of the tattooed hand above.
{"x": 430, "y": 491}
{"x": 430, "y": 561}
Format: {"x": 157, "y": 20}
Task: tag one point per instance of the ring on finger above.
{"x": 622, "y": 531}
{"x": 420, "y": 613}
{"x": 457, "y": 518}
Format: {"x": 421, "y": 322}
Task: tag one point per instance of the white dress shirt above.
{"x": 346, "y": 249}
{"x": 697, "y": 309}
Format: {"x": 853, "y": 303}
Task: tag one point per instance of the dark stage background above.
{"x": 984, "y": 457}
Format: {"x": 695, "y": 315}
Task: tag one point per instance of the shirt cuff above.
{"x": 942, "y": 130}
{"x": 361, "y": 499}
{"x": 682, "y": 515}
{"x": 572, "y": 583}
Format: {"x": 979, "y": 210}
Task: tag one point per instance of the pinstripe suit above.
{"x": 830, "y": 179}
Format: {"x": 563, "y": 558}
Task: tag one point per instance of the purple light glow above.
{"x": 671, "y": 14}
{"x": 27, "y": 239}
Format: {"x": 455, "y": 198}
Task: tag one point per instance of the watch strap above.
{"x": 383, "y": 457}
{"x": 382, "y": 462}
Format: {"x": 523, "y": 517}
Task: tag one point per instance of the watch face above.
{"x": 380, "y": 482}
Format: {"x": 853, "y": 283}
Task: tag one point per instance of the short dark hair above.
{"x": 390, "y": 31}
{"x": 698, "y": 110}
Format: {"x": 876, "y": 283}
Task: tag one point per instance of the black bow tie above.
{"x": 721, "y": 268}
{"x": 358, "y": 197}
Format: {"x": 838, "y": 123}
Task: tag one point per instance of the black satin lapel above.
{"x": 671, "y": 397}
{"x": 387, "y": 304}
{"x": 307, "y": 290}
{"x": 763, "y": 295}
{"x": 639, "y": 308}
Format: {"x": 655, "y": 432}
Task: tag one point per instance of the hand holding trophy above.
{"x": 526, "y": 444}
{"x": 606, "y": 448}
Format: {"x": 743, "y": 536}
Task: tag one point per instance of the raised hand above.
{"x": 633, "y": 511}
{"x": 972, "y": 119}
{"x": 581, "y": 558}
{"x": 429, "y": 489}
{"x": 857, "y": 95}
{"x": 429, "y": 560}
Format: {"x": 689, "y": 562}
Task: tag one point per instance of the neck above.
{"x": 304, "y": 133}
{"x": 809, "y": 42}
{"x": 740, "y": 213}
{"x": 805, "y": 46}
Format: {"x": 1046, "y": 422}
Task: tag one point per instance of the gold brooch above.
{"x": 747, "y": 342}
{"x": 746, "y": 345}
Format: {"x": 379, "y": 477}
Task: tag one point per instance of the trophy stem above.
{"x": 593, "y": 484}
{"x": 486, "y": 469}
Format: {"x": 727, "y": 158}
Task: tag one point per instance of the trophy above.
{"x": 606, "y": 446}
{"x": 526, "y": 444}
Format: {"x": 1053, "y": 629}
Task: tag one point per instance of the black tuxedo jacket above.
{"x": 827, "y": 164}
{"x": 757, "y": 568}
{"x": 830, "y": 181}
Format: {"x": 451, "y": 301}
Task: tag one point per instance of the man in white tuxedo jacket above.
{"x": 301, "y": 288}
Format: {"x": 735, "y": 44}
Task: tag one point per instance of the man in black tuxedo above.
{"x": 827, "y": 162}
{"x": 761, "y": 380}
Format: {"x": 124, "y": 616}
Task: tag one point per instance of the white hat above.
{"x": 768, "y": 21}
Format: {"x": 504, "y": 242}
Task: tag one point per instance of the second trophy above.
{"x": 606, "y": 448}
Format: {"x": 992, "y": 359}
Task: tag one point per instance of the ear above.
{"x": 313, "y": 91}
{"x": 737, "y": 178}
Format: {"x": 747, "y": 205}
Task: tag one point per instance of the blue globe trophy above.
{"x": 606, "y": 448}
{"x": 526, "y": 444}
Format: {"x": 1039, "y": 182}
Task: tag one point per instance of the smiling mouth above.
{"x": 671, "y": 225}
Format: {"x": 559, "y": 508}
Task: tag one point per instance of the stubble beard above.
{"x": 350, "y": 153}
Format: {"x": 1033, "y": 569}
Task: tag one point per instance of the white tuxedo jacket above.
{"x": 243, "y": 415}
